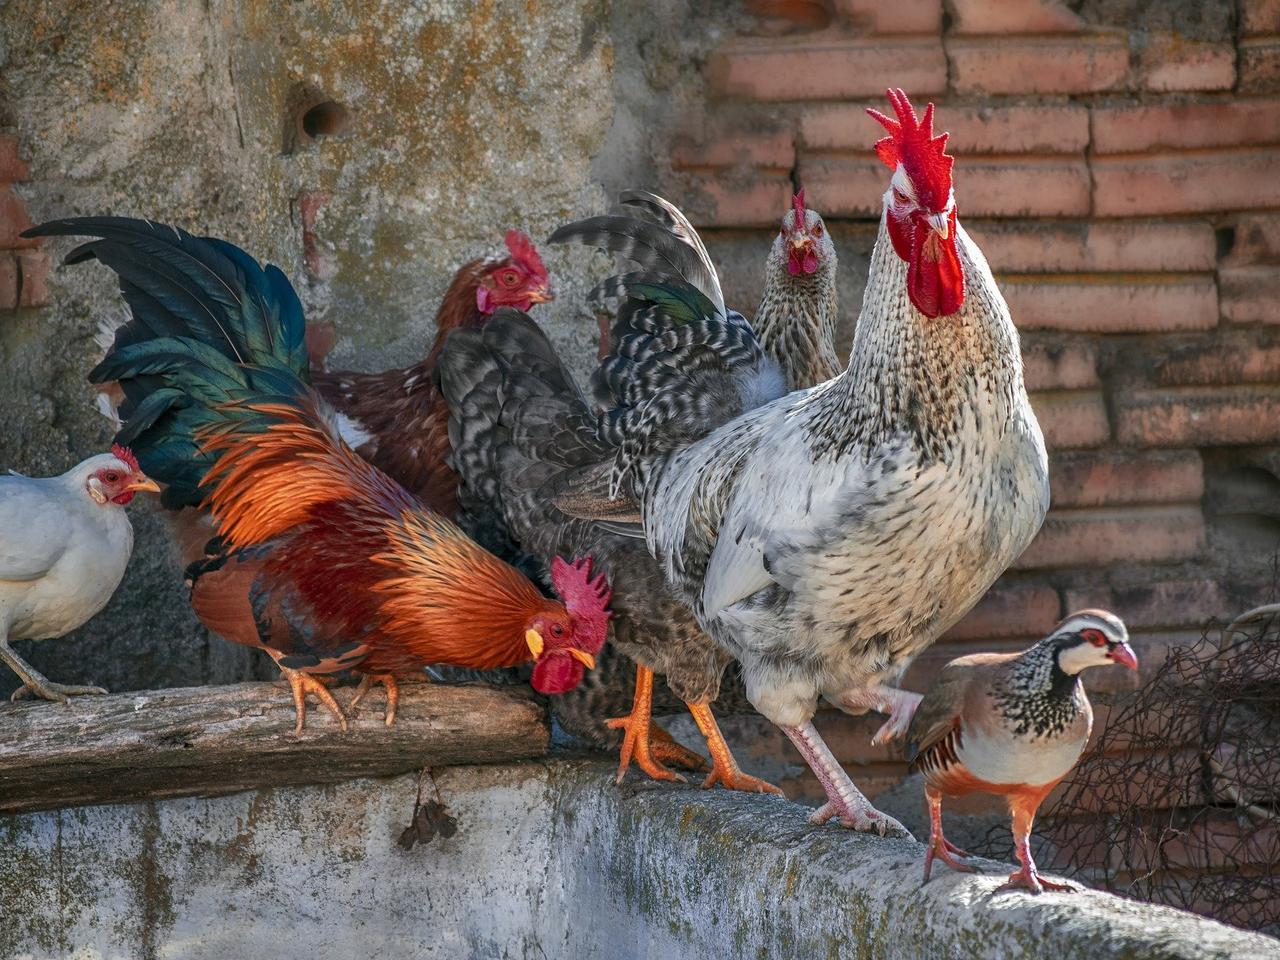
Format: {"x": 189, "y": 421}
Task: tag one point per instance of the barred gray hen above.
{"x": 825, "y": 538}
{"x": 523, "y": 434}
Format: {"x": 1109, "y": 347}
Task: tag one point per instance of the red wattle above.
{"x": 935, "y": 281}
{"x": 796, "y": 264}
{"x": 901, "y": 232}
{"x": 556, "y": 673}
{"x": 123, "y": 498}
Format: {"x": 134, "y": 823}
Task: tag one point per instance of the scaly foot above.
{"x": 367, "y": 683}
{"x": 900, "y": 705}
{"x": 637, "y": 728}
{"x": 667, "y": 749}
{"x": 844, "y": 800}
{"x": 303, "y": 683}
{"x": 724, "y": 768}
{"x": 1029, "y": 879}
{"x": 947, "y": 852}
{"x": 57, "y": 692}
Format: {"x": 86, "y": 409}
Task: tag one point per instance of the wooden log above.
{"x": 215, "y": 740}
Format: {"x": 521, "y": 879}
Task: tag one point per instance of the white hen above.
{"x": 64, "y": 545}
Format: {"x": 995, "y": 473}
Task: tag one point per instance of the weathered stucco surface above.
{"x": 551, "y": 860}
{"x": 464, "y": 119}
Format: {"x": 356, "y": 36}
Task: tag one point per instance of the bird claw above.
{"x": 1031, "y": 881}
{"x": 56, "y": 692}
{"x": 901, "y": 710}
{"x": 636, "y": 746}
{"x": 866, "y": 820}
{"x": 737, "y": 780}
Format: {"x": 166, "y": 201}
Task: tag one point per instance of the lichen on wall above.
{"x": 458, "y": 120}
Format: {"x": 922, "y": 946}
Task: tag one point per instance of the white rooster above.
{"x": 64, "y": 544}
{"x": 827, "y": 537}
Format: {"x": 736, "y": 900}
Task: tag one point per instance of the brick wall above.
{"x": 1122, "y": 175}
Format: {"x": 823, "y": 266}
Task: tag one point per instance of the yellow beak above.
{"x": 941, "y": 223}
{"x": 584, "y": 658}
{"x": 534, "y": 639}
{"x": 144, "y": 483}
{"x": 542, "y": 296}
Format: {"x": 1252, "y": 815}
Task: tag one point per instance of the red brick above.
{"x": 1038, "y": 65}
{"x": 1234, "y": 356}
{"x": 1114, "y": 478}
{"x": 1095, "y": 247}
{"x": 1152, "y": 606}
{"x": 9, "y": 282}
{"x": 1257, "y": 239}
{"x": 826, "y": 70}
{"x": 1198, "y": 416}
{"x": 717, "y": 200}
{"x": 1250, "y": 294}
{"x": 1186, "y": 183}
{"x": 1012, "y": 16}
{"x": 13, "y": 220}
{"x": 986, "y": 129}
{"x": 903, "y": 16}
{"x": 12, "y": 166}
{"x": 1259, "y": 16}
{"x": 1092, "y": 538}
{"x": 33, "y": 271}
{"x": 765, "y": 149}
{"x": 1223, "y": 123}
{"x": 1059, "y": 366}
{"x": 1259, "y": 66}
{"x": 1010, "y": 610}
{"x": 776, "y": 17}
{"x": 854, "y": 185}
{"x": 1072, "y": 418}
{"x": 1171, "y": 63}
{"x": 1112, "y": 304}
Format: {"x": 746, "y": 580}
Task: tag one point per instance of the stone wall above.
{"x": 550, "y": 860}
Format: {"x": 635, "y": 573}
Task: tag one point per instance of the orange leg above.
{"x": 664, "y": 747}
{"x": 637, "y": 729}
{"x": 302, "y": 684}
{"x": 724, "y": 768}
{"x": 1028, "y": 878}
{"x": 393, "y": 692}
{"x": 940, "y": 846}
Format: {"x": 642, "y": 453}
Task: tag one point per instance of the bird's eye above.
{"x": 510, "y": 278}
{"x": 1095, "y": 637}
{"x": 817, "y": 229}
{"x": 111, "y": 477}
{"x": 557, "y": 630}
{"x": 899, "y": 196}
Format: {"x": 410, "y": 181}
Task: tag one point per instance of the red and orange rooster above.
{"x": 335, "y": 565}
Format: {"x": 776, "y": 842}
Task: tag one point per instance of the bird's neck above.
{"x": 796, "y": 323}
{"x": 924, "y": 379}
{"x": 1036, "y": 696}
{"x": 457, "y": 308}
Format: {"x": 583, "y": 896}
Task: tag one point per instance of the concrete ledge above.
{"x": 551, "y": 860}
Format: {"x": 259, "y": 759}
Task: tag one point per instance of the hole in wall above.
{"x": 326, "y": 119}
{"x": 310, "y": 116}
{"x": 1225, "y": 239}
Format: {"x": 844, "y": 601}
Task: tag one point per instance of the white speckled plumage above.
{"x": 827, "y": 538}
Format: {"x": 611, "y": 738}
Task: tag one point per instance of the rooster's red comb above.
{"x": 797, "y": 204}
{"x": 587, "y": 599}
{"x": 525, "y": 255}
{"x": 125, "y": 455}
{"x": 911, "y": 142}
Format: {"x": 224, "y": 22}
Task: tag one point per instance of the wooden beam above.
{"x": 213, "y": 740}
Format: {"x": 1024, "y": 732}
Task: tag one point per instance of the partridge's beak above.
{"x": 1123, "y": 654}
{"x": 534, "y": 639}
{"x": 143, "y": 483}
{"x": 584, "y": 658}
{"x": 541, "y": 295}
{"x": 941, "y": 223}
